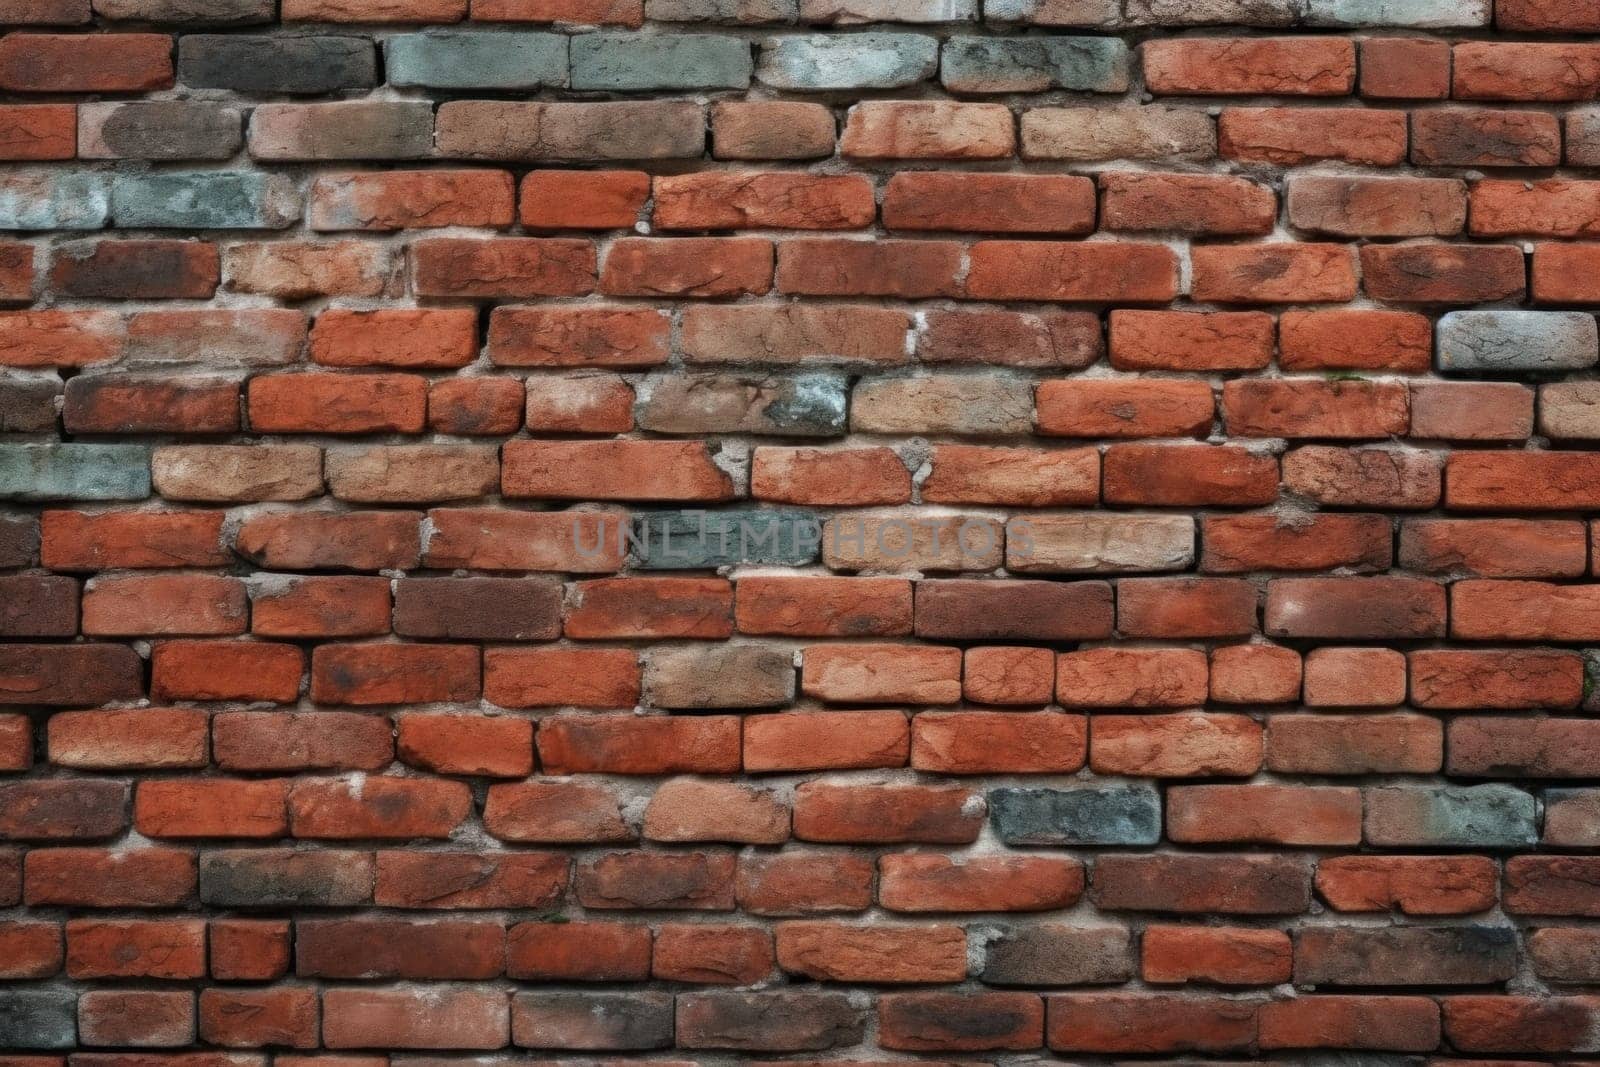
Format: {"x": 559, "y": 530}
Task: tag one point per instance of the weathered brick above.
{"x": 158, "y": 130}
{"x": 504, "y": 130}
{"x": 258, "y": 63}
{"x": 1030, "y": 65}
{"x": 857, "y": 61}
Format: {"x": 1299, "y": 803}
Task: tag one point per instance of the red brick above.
{"x": 249, "y": 950}
{"x": 713, "y": 955}
{"x": 1519, "y": 1023}
{"x": 505, "y": 267}
{"x": 85, "y": 63}
{"x": 882, "y": 674}
{"x": 1255, "y": 674}
{"x": 215, "y": 807}
{"x": 411, "y": 199}
{"x": 225, "y": 670}
{"x": 467, "y": 745}
{"x": 1277, "y": 66}
{"x": 836, "y": 952}
{"x": 583, "y": 199}
{"x": 395, "y": 337}
{"x": 1416, "y": 885}
{"x": 84, "y": 541}
{"x": 1191, "y": 341}
{"x": 832, "y": 740}
{"x": 1264, "y": 814}
{"x": 847, "y": 267}
{"x": 1131, "y": 677}
{"x": 555, "y": 813}
{"x": 613, "y": 470}
{"x": 998, "y": 742}
{"x": 320, "y": 607}
{"x": 596, "y": 336}
{"x": 989, "y": 203}
{"x": 1274, "y": 273}
{"x": 109, "y": 878}
{"x": 687, "y": 881}
{"x": 1124, "y": 408}
{"x": 1292, "y": 136}
{"x": 462, "y": 1018}
{"x": 337, "y": 403}
{"x": 580, "y": 951}
{"x": 1094, "y": 272}
{"x": 1223, "y": 955}
{"x": 625, "y": 744}
{"x": 365, "y": 541}
{"x": 1163, "y": 476}
{"x": 931, "y": 129}
{"x": 252, "y": 1018}
{"x": 1186, "y": 203}
{"x": 801, "y": 882}
{"x": 472, "y": 406}
{"x": 584, "y": 12}
{"x": 764, "y": 200}
{"x": 771, "y": 129}
{"x": 494, "y": 539}
{"x": 465, "y": 880}
{"x": 1407, "y": 1024}
{"x": 60, "y": 338}
{"x": 1355, "y": 608}
{"x": 1010, "y": 338}
{"x": 1355, "y": 340}
{"x": 1494, "y": 548}
{"x": 299, "y": 741}
{"x": 1150, "y": 1023}
{"x": 1365, "y": 477}
{"x": 141, "y": 1018}
{"x": 997, "y": 675}
{"x": 846, "y": 477}
{"x": 684, "y": 810}
{"x": 1405, "y": 68}
{"x": 1578, "y": 16}
{"x": 377, "y": 807}
{"x": 30, "y": 950}
{"x": 399, "y": 948}
{"x": 1186, "y": 745}
{"x": 1484, "y": 137}
{"x": 867, "y": 814}
{"x": 159, "y": 604}
{"x": 1442, "y": 274}
{"x": 1378, "y": 207}
{"x": 160, "y": 949}
{"x": 561, "y": 677}
{"x": 38, "y": 131}
{"x": 687, "y": 266}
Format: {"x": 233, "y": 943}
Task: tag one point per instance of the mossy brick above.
{"x": 1086, "y": 815}
{"x": 1414, "y": 14}
{"x": 250, "y": 63}
{"x": 53, "y": 200}
{"x": 1034, "y": 64}
{"x": 38, "y": 1018}
{"x": 623, "y": 62}
{"x": 74, "y": 472}
{"x": 449, "y": 59}
{"x": 1479, "y": 816}
{"x": 1490, "y": 341}
{"x": 697, "y": 540}
{"x": 205, "y": 200}
{"x": 819, "y": 62}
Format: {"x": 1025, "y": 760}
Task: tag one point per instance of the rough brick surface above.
{"x": 576, "y": 532}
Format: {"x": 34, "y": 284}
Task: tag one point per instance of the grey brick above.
{"x": 53, "y": 200}
{"x": 803, "y": 405}
{"x": 260, "y": 64}
{"x": 74, "y": 472}
{"x": 1078, "y": 14}
{"x": 739, "y": 11}
{"x": 1215, "y": 12}
{"x": 1583, "y": 137}
{"x": 350, "y": 129}
{"x": 280, "y": 878}
{"x": 1517, "y": 340}
{"x": 1417, "y": 14}
{"x": 159, "y": 129}
{"x": 631, "y": 62}
{"x": 848, "y": 61}
{"x": 1367, "y": 956}
{"x": 1054, "y": 955}
{"x": 1087, "y": 815}
{"x": 1034, "y": 64}
{"x": 592, "y": 1020}
{"x": 698, "y": 540}
{"x": 449, "y": 59}
{"x": 205, "y": 200}
{"x": 850, "y": 12}
{"x": 38, "y": 1018}
{"x": 729, "y": 676}
{"x": 27, "y": 405}
{"x": 1479, "y": 816}
{"x": 189, "y": 12}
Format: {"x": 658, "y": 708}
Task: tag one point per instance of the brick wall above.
{"x": 798, "y": 529}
